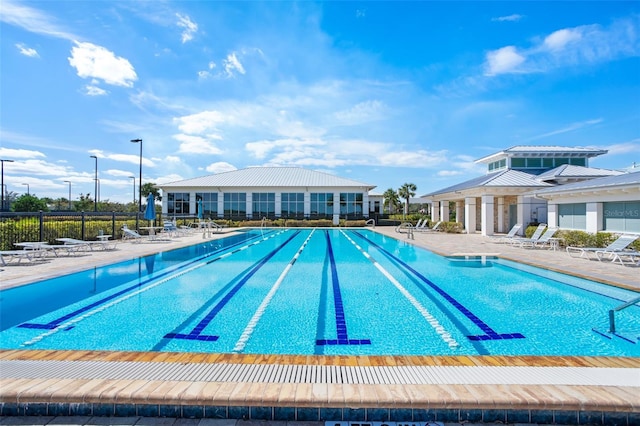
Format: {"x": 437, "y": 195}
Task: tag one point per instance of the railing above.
{"x": 371, "y": 222}
{"x": 612, "y": 313}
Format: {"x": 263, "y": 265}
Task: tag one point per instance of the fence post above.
{"x": 82, "y": 227}
{"x": 41, "y": 226}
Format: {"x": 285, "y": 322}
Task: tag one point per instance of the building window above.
{"x": 177, "y": 203}
{"x": 292, "y": 204}
{"x": 235, "y": 204}
{"x": 264, "y": 204}
{"x": 578, "y": 162}
{"x": 209, "y": 203}
{"x": 322, "y": 204}
{"x": 572, "y": 216}
{"x": 621, "y": 216}
{"x": 351, "y": 204}
{"x": 498, "y": 165}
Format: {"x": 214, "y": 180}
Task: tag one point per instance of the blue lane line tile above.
{"x": 341, "y": 322}
{"x": 490, "y": 334}
{"x": 195, "y": 333}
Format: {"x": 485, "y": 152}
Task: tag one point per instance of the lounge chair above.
{"x": 15, "y": 254}
{"x": 130, "y": 234}
{"x": 544, "y": 240}
{"x": 621, "y": 243}
{"x": 102, "y": 244}
{"x": 536, "y": 234}
{"x": 424, "y": 228}
{"x": 623, "y": 256}
{"x": 509, "y": 236}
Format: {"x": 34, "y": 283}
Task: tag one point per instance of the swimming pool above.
{"x": 319, "y": 291}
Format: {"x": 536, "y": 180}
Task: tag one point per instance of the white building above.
{"x": 610, "y": 204}
{"x": 271, "y": 192}
{"x": 505, "y": 195}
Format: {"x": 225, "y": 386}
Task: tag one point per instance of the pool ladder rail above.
{"x": 612, "y": 322}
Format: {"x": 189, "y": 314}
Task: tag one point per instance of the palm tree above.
{"x": 407, "y": 191}
{"x": 390, "y": 198}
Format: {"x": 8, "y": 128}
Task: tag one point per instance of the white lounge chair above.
{"x": 9, "y": 255}
{"x": 544, "y": 240}
{"x": 536, "y": 234}
{"x": 102, "y": 244}
{"x": 621, "y": 243}
{"x": 507, "y": 237}
{"x": 424, "y": 228}
{"x": 130, "y": 234}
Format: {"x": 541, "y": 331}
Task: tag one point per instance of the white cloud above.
{"x": 570, "y": 128}
{"x": 220, "y": 167}
{"x": 190, "y": 27}
{"x": 190, "y": 144}
{"x": 510, "y": 18}
{"x": 96, "y": 62}
{"x": 363, "y": 112}
{"x": 504, "y": 60}
{"x": 32, "y": 20}
{"x": 260, "y": 149}
{"x": 92, "y": 90}
{"x": 11, "y": 154}
{"x": 561, "y": 38}
{"x": 27, "y": 51}
{"x": 631, "y": 147}
{"x": 232, "y": 65}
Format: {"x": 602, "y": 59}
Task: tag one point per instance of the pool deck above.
{"x": 566, "y": 390}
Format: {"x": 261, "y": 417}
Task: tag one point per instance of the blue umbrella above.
{"x": 200, "y": 215}
{"x": 150, "y": 211}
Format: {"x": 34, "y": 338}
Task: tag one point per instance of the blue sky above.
{"x": 380, "y": 92}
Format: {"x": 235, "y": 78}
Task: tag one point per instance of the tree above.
{"x": 407, "y": 191}
{"x": 150, "y": 188}
{"x": 390, "y": 198}
{"x": 29, "y": 203}
{"x": 84, "y": 203}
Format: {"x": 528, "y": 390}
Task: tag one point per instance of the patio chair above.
{"x": 10, "y": 255}
{"x": 508, "y": 237}
{"x": 624, "y": 257}
{"x": 102, "y": 244}
{"x": 544, "y": 240}
{"x": 621, "y": 243}
{"x": 424, "y": 228}
{"x": 536, "y": 234}
{"x": 130, "y": 234}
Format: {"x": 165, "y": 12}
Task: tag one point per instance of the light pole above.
{"x": 139, "y": 183}
{"x": 69, "y": 182}
{"x": 2, "y": 178}
{"x": 134, "y": 188}
{"x": 28, "y": 193}
{"x": 98, "y": 192}
{"x": 95, "y": 187}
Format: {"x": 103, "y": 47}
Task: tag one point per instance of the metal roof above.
{"x": 269, "y": 177}
{"x": 608, "y": 182}
{"x": 505, "y": 178}
{"x": 543, "y": 151}
{"x": 570, "y": 171}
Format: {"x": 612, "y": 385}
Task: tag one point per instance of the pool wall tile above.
{"x": 354, "y": 414}
{"x": 307, "y": 414}
{"x": 541, "y": 416}
{"x": 81, "y": 409}
{"x": 35, "y": 409}
{"x": 331, "y": 414}
{"x": 448, "y": 416}
{"x": 424, "y": 415}
{"x": 518, "y": 416}
{"x": 147, "y": 410}
{"x": 261, "y": 413}
{"x": 616, "y": 419}
{"x": 590, "y": 417}
{"x": 125, "y": 410}
{"x": 473, "y": 416}
{"x": 103, "y": 410}
{"x": 495, "y": 416}
{"x": 9, "y": 409}
{"x": 215, "y": 412}
{"x": 58, "y": 409}
{"x": 235, "y": 412}
{"x": 166, "y": 410}
{"x": 633, "y": 418}
{"x": 400, "y": 414}
{"x": 377, "y": 414}
{"x": 193, "y": 411}
{"x": 284, "y": 413}
{"x": 565, "y": 417}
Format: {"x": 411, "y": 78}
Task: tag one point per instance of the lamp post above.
{"x": 2, "y": 178}
{"x": 134, "y": 188}
{"x": 95, "y": 187}
{"x": 69, "y": 182}
{"x": 139, "y": 183}
{"x": 28, "y": 193}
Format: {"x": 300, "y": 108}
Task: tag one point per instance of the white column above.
{"x": 435, "y": 210}
{"x": 220, "y": 204}
{"x": 444, "y": 211}
{"x": 470, "y": 215}
{"x": 501, "y": 214}
{"x": 486, "y": 226}
{"x": 594, "y": 217}
{"x": 365, "y": 204}
{"x": 460, "y": 211}
{"x": 277, "y": 210}
{"x": 307, "y": 204}
{"x": 552, "y": 215}
{"x": 249, "y": 205}
{"x": 521, "y": 216}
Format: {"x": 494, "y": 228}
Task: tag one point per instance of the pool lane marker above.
{"x": 433, "y": 322}
{"x": 490, "y": 333}
{"x": 63, "y": 321}
{"x": 196, "y": 332}
{"x": 248, "y": 331}
{"x": 341, "y": 321}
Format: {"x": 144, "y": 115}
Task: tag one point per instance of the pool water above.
{"x": 320, "y": 291}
